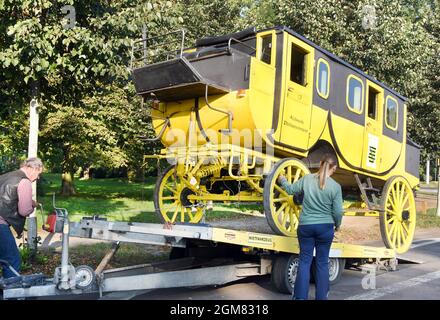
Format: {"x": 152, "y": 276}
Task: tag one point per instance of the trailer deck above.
{"x": 202, "y": 255}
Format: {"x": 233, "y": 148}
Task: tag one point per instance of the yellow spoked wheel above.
{"x": 282, "y": 212}
{"x": 171, "y": 199}
{"x": 398, "y": 219}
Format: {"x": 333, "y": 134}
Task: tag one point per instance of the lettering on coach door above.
{"x": 373, "y": 147}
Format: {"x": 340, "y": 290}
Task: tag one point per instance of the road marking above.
{"x": 425, "y": 242}
{"x": 379, "y": 293}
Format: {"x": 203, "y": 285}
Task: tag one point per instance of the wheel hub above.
{"x": 292, "y": 271}
{"x": 184, "y": 197}
{"x": 405, "y": 215}
{"x": 333, "y": 268}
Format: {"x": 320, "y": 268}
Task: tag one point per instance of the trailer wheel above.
{"x": 335, "y": 267}
{"x": 398, "y": 216}
{"x": 280, "y": 208}
{"x": 85, "y": 277}
{"x": 284, "y": 271}
{"x": 178, "y": 253}
{"x": 171, "y": 201}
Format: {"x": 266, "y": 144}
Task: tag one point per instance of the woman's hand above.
{"x": 280, "y": 178}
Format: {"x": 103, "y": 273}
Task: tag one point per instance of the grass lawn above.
{"x": 119, "y": 200}
{"x": 432, "y": 184}
{"x": 428, "y": 219}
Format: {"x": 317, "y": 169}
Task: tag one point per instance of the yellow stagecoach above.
{"x": 237, "y": 110}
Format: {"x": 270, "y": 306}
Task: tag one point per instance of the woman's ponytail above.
{"x": 328, "y": 162}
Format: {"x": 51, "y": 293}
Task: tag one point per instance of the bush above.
{"x": 28, "y": 258}
{"x": 42, "y": 186}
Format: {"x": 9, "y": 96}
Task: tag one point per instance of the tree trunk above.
{"x": 86, "y": 173}
{"x": 135, "y": 174}
{"x": 67, "y": 185}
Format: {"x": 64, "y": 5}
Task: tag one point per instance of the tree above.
{"x": 425, "y": 118}
{"x": 71, "y": 64}
{"x": 400, "y": 48}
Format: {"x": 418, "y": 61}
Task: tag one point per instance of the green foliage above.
{"x": 117, "y": 200}
{"x": 90, "y": 115}
{"x": 29, "y": 257}
{"x": 400, "y": 50}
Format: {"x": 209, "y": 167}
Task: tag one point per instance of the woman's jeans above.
{"x": 8, "y": 251}
{"x": 311, "y": 236}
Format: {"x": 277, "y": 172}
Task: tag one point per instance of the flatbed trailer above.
{"x": 201, "y": 255}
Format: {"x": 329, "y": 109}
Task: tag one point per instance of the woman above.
{"x": 320, "y": 217}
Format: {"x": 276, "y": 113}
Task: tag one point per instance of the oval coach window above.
{"x": 354, "y": 94}
{"x": 391, "y": 113}
{"x": 323, "y": 78}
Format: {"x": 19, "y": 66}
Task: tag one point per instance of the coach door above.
{"x": 298, "y": 94}
{"x": 373, "y": 146}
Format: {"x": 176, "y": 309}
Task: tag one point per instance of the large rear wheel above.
{"x": 398, "y": 218}
{"x": 282, "y": 212}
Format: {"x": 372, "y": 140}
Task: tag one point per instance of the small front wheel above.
{"x": 398, "y": 216}
{"x": 171, "y": 201}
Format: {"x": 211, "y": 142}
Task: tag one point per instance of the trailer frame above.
{"x": 204, "y": 255}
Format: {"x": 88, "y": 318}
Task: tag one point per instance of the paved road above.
{"x": 415, "y": 281}
{"x": 410, "y": 281}
{"x": 428, "y": 190}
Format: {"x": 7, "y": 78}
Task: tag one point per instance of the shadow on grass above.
{"x": 120, "y": 200}
{"x": 103, "y": 188}
{"x": 151, "y": 216}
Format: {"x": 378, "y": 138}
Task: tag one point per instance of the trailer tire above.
{"x": 85, "y": 277}
{"x": 336, "y": 267}
{"x": 178, "y": 253}
{"x": 284, "y": 272}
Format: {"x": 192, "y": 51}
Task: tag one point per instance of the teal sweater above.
{"x": 319, "y": 206}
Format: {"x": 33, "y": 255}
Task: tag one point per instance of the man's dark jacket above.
{"x": 9, "y": 199}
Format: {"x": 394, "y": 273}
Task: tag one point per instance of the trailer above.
{"x": 201, "y": 255}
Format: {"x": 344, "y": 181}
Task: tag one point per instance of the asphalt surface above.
{"x": 411, "y": 281}
{"x": 428, "y": 190}
{"x": 416, "y": 280}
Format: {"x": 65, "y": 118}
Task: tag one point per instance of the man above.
{"x": 15, "y": 205}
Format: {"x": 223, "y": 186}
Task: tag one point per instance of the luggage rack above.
{"x": 141, "y": 51}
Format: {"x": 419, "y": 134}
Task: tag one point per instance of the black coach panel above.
{"x": 339, "y": 74}
{"x": 228, "y": 71}
{"x": 398, "y": 133}
{"x": 317, "y": 99}
{"x": 412, "y": 161}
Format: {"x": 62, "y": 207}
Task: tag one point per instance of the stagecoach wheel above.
{"x": 282, "y": 213}
{"x": 398, "y": 219}
{"x": 171, "y": 201}
{"x": 284, "y": 271}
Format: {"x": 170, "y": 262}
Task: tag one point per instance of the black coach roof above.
{"x": 250, "y": 32}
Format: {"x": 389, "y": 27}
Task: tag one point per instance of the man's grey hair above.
{"x": 35, "y": 163}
